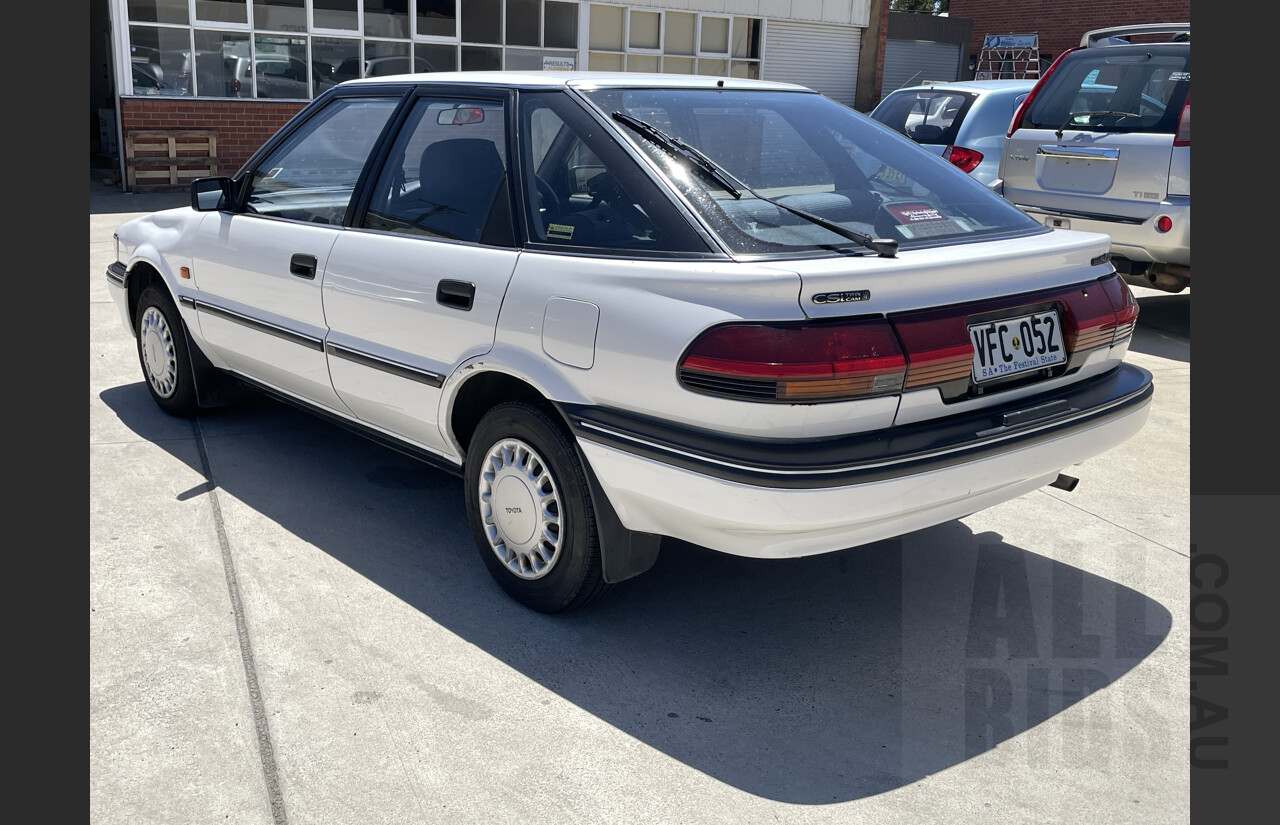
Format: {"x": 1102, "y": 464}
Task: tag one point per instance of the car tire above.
{"x": 163, "y": 353}
{"x": 530, "y": 510}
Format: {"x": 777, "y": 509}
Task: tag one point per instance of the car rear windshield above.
{"x": 925, "y": 115}
{"x": 811, "y": 154}
{"x": 1116, "y": 89}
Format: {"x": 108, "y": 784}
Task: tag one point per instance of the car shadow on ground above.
{"x": 1164, "y": 326}
{"x": 808, "y": 681}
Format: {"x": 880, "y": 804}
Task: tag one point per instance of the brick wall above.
{"x": 1060, "y": 24}
{"x": 242, "y": 125}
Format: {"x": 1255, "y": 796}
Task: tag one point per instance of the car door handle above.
{"x": 304, "y": 266}
{"x": 457, "y": 294}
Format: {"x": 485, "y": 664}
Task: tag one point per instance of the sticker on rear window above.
{"x": 1179, "y": 75}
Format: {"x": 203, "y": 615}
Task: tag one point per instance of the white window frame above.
{"x": 627, "y": 48}
{"x": 220, "y": 25}
{"x": 358, "y": 31}
{"x": 727, "y": 53}
{"x": 455, "y": 38}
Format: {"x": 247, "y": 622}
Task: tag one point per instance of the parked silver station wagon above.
{"x": 626, "y": 307}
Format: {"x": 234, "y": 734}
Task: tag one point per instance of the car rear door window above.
{"x": 446, "y": 174}
{"x": 1133, "y": 91}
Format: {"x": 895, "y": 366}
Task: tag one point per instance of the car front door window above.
{"x": 311, "y": 176}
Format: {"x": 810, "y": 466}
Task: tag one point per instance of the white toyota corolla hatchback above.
{"x": 625, "y": 307}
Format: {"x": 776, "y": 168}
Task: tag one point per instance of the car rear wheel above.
{"x": 530, "y": 511}
{"x": 163, "y": 354}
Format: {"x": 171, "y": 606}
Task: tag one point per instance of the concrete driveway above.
{"x": 290, "y": 624}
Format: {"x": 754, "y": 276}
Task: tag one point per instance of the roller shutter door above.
{"x": 910, "y": 62}
{"x": 824, "y": 58}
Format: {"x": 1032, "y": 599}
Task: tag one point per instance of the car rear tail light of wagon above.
{"x": 796, "y": 362}
{"x": 965, "y": 159}
{"x": 1018, "y": 116}
{"x": 1183, "y": 136}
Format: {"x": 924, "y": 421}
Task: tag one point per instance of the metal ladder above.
{"x": 1012, "y": 56}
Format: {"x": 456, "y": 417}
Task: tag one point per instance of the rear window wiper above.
{"x": 886, "y": 247}
{"x": 1103, "y": 113}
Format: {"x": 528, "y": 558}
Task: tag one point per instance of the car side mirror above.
{"x": 211, "y": 194}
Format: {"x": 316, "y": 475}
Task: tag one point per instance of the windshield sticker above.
{"x": 914, "y": 212}
{"x": 560, "y": 231}
{"x": 1179, "y": 76}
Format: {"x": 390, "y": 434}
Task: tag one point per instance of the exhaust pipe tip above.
{"x": 1065, "y": 482}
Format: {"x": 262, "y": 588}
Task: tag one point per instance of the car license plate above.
{"x": 1008, "y": 346}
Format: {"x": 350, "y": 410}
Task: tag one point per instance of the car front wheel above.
{"x": 530, "y": 511}
{"x": 162, "y": 352}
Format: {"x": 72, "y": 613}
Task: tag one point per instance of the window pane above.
{"x": 715, "y": 34}
{"x": 158, "y": 11}
{"x": 386, "y": 18}
{"x": 713, "y": 66}
{"x": 438, "y": 18}
{"x": 642, "y": 63}
{"x": 524, "y": 22}
{"x": 217, "y": 54}
{"x": 157, "y": 56}
{"x": 279, "y": 67}
{"x": 334, "y": 59}
{"x": 222, "y": 11}
{"x": 585, "y": 191}
{"x": 312, "y": 175}
{"x": 743, "y": 68}
{"x": 481, "y": 22}
{"x": 643, "y": 33}
{"x": 442, "y": 177}
{"x": 481, "y": 58}
{"x": 677, "y": 65}
{"x": 562, "y": 25}
{"x": 335, "y": 14}
{"x": 681, "y": 33}
{"x": 436, "y": 57}
{"x": 746, "y": 37}
{"x": 529, "y": 60}
{"x": 281, "y": 15}
{"x": 604, "y": 62}
{"x": 606, "y": 27}
{"x": 386, "y": 57}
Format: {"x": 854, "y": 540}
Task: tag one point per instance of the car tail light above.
{"x": 1125, "y": 305}
{"x": 1183, "y": 136}
{"x": 966, "y": 159}
{"x": 1021, "y": 113}
{"x": 1107, "y": 328}
{"x": 796, "y": 362}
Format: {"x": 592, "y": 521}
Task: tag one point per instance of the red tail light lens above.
{"x": 796, "y": 362}
{"x": 1107, "y": 329}
{"x": 1183, "y": 135}
{"x": 1020, "y": 114}
{"x": 965, "y": 159}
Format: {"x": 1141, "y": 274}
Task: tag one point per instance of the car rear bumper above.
{"x": 1132, "y": 238}
{"x": 788, "y": 498}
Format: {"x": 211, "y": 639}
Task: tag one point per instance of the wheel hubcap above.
{"x": 155, "y": 341}
{"x": 521, "y": 509}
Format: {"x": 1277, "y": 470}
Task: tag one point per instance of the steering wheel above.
{"x": 548, "y": 200}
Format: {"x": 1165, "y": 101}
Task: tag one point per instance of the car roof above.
{"x": 580, "y": 80}
{"x": 976, "y": 86}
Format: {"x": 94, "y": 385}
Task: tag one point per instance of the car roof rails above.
{"x": 1119, "y": 35}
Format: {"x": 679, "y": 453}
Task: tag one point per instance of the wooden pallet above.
{"x": 169, "y": 158}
